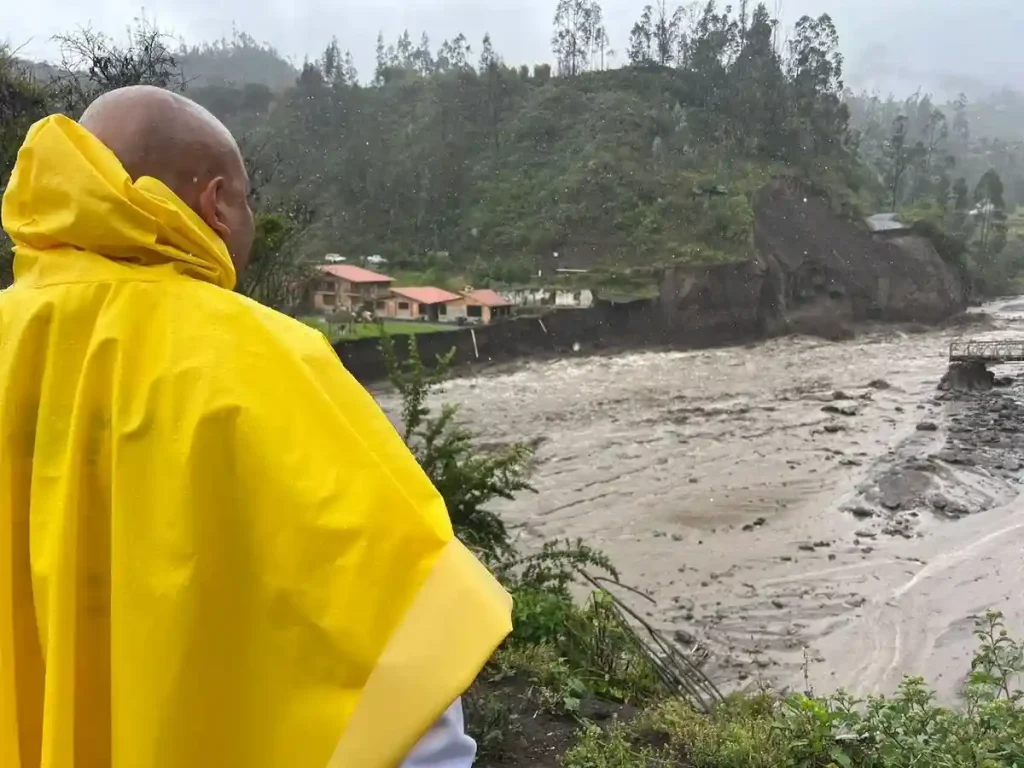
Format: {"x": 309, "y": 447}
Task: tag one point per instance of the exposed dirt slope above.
{"x": 814, "y": 272}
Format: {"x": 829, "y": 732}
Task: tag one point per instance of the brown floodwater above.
{"x": 661, "y": 458}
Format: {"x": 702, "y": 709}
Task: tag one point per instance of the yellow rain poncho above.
{"x": 215, "y": 551}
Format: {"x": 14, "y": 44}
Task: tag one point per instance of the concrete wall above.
{"x": 555, "y": 333}
{"x": 453, "y": 311}
{"x": 546, "y": 297}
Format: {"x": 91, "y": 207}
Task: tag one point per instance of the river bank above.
{"x": 725, "y": 482}
{"x": 810, "y": 271}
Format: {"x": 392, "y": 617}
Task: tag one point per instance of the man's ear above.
{"x": 210, "y": 201}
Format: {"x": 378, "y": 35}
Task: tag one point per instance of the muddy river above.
{"x": 811, "y": 511}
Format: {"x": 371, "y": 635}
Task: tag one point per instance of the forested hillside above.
{"x": 447, "y": 159}
{"x": 457, "y": 165}
{"x": 501, "y": 168}
{"x": 955, "y": 168}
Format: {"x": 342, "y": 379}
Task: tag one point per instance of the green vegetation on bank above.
{"x": 961, "y": 189}
{"x": 767, "y": 731}
{"x": 346, "y": 331}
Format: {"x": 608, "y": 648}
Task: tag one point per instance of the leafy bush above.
{"x": 904, "y": 730}
{"x": 951, "y": 247}
{"x": 468, "y": 478}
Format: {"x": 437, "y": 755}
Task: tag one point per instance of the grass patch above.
{"x": 388, "y": 327}
{"x": 336, "y": 332}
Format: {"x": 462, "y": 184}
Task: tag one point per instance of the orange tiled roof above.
{"x": 426, "y": 294}
{"x": 488, "y": 298}
{"x": 354, "y": 274}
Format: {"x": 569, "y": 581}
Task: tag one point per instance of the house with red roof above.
{"x": 421, "y": 303}
{"x": 485, "y": 306}
{"x": 338, "y": 287}
{"x": 349, "y": 288}
{"x": 441, "y": 306}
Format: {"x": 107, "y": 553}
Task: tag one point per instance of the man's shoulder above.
{"x": 294, "y": 333}
{"x": 229, "y": 318}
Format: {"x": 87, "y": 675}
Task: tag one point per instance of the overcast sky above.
{"x": 941, "y": 45}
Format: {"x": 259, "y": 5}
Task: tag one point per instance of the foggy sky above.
{"x": 942, "y": 46}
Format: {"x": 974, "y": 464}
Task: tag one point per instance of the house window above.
{"x": 327, "y": 299}
{"x": 474, "y": 311}
{"x": 326, "y": 285}
{"x": 443, "y": 309}
{"x": 423, "y": 309}
{"x": 403, "y": 305}
{"x": 381, "y": 305}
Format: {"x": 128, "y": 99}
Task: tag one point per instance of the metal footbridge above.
{"x": 987, "y": 352}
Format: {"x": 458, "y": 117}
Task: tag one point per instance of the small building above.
{"x": 486, "y": 306}
{"x": 421, "y": 303}
{"x": 346, "y": 287}
{"x": 886, "y": 225}
{"x": 549, "y": 297}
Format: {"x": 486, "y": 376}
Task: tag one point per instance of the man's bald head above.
{"x": 157, "y": 133}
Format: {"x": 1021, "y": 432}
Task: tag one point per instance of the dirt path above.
{"x": 722, "y": 482}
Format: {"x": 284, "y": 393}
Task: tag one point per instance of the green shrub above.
{"x": 612, "y": 748}
{"x": 905, "y": 730}
{"x": 467, "y": 477}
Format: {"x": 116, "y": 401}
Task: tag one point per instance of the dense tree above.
{"x": 899, "y": 159}
{"x": 658, "y": 36}
{"x": 23, "y": 100}
{"x": 641, "y": 39}
{"x": 454, "y": 54}
{"x": 235, "y": 62}
{"x": 711, "y": 48}
{"x": 936, "y": 130}
{"x": 961, "y": 125}
{"x": 668, "y": 33}
{"x": 579, "y": 34}
{"x": 816, "y": 72}
{"x": 92, "y": 64}
{"x": 348, "y": 68}
{"x": 422, "y": 59}
{"x": 404, "y": 52}
{"x": 491, "y": 69}
{"x": 332, "y": 65}
{"x": 382, "y": 60}
{"x": 960, "y": 194}
{"x": 990, "y": 209}
{"x": 759, "y": 109}
{"x": 488, "y": 58}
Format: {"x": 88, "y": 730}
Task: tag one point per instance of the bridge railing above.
{"x": 974, "y": 350}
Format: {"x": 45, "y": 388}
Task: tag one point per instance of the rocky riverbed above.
{"x": 810, "y": 512}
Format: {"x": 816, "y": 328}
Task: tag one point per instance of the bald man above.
{"x": 214, "y": 548}
{"x": 163, "y": 135}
